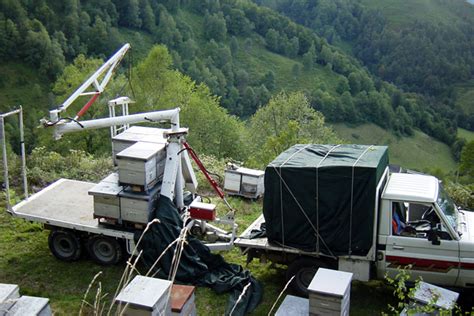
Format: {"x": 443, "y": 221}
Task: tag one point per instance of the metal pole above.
{"x": 23, "y": 154}
{"x": 5, "y": 163}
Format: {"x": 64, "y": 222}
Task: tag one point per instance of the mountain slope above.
{"x": 422, "y": 46}
{"x": 244, "y": 53}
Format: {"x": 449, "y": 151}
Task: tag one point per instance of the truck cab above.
{"x": 420, "y": 228}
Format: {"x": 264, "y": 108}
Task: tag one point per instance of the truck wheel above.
{"x": 65, "y": 245}
{"x": 304, "y": 270}
{"x": 104, "y": 250}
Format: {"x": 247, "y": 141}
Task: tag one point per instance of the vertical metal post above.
{"x": 5, "y": 162}
{"x": 23, "y": 154}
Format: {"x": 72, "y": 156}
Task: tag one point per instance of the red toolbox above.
{"x": 204, "y": 211}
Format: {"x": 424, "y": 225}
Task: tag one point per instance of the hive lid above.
{"x": 106, "y": 188}
{"x": 330, "y": 282}
{"x": 111, "y": 178}
{"x": 8, "y": 291}
{"x": 145, "y": 292}
{"x": 141, "y": 151}
{"x": 180, "y": 294}
{"x": 28, "y": 305}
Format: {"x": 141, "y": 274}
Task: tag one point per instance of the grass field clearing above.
{"x": 419, "y": 152}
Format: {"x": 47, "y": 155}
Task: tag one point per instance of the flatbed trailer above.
{"x": 66, "y": 208}
{"x": 261, "y": 244}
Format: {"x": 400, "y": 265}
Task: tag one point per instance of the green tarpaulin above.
{"x": 322, "y": 197}
{"x": 198, "y": 265}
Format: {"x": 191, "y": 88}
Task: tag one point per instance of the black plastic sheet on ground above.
{"x": 198, "y": 265}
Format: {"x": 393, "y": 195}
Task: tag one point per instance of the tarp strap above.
{"x": 281, "y": 195}
{"x": 294, "y": 154}
{"x": 352, "y": 196}
{"x": 302, "y": 211}
{"x": 317, "y": 191}
{"x": 281, "y": 213}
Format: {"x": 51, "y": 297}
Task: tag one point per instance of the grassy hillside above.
{"x": 400, "y": 12}
{"x": 419, "y": 152}
{"x": 259, "y": 60}
{"x": 468, "y": 135}
{"x": 464, "y": 93}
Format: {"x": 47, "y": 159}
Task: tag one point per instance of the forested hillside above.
{"x": 244, "y": 53}
{"x": 421, "y": 46}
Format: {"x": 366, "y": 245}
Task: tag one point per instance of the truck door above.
{"x": 408, "y": 244}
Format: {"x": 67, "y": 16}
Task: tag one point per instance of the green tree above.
{"x": 212, "y": 129}
{"x": 215, "y": 27}
{"x": 147, "y": 16}
{"x": 269, "y": 80}
{"x": 286, "y": 120}
{"x": 342, "y": 85}
{"x": 167, "y": 32}
{"x": 354, "y": 83}
{"x": 132, "y": 14}
{"x": 234, "y": 45}
{"x": 293, "y": 47}
{"x": 326, "y": 54}
{"x": 272, "y": 39}
{"x": 98, "y": 36}
{"x": 309, "y": 57}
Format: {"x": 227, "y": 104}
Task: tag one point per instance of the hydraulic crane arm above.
{"x": 106, "y": 70}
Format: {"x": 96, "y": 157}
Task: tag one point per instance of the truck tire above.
{"x": 303, "y": 269}
{"x": 104, "y": 250}
{"x": 65, "y": 245}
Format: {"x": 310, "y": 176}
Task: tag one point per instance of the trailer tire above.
{"x": 104, "y": 250}
{"x": 304, "y": 270}
{"x": 65, "y": 245}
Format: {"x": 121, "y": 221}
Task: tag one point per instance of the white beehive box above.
{"x": 141, "y": 164}
{"x": 329, "y": 292}
{"x": 106, "y": 198}
{"x": 135, "y": 207}
{"x": 9, "y": 293}
{"x": 32, "y": 306}
{"x": 244, "y": 182}
{"x": 293, "y": 305}
{"x": 135, "y": 134}
{"x": 145, "y": 296}
{"x": 428, "y": 294}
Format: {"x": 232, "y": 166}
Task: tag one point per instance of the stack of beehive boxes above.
{"x": 128, "y": 195}
{"x": 329, "y": 292}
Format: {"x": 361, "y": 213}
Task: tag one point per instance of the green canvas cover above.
{"x": 321, "y": 198}
{"x": 197, "y": 264}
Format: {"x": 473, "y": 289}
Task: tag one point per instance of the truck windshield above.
{"x": 447, "y": 207}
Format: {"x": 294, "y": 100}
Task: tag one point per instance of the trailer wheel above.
{"x": 65, "y": 245}
{"x": 304, "y": 270}
{"x": 104, "y": 250}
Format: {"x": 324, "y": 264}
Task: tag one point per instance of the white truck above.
{"x": 411, "y": 220}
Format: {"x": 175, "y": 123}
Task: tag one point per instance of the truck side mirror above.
{"x": 433, "y": 236}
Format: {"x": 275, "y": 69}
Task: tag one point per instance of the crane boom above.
{"x": 94, "y": 80}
